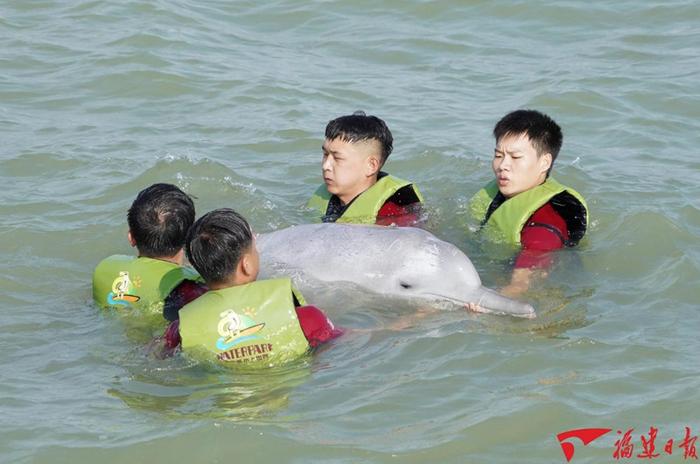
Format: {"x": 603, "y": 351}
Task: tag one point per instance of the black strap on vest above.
{"x": 573, "y": 213}
{"x": 405, "y": 196}
{"x": 552, "y": 229}
{"x": 566, "y": 205}
{"x": 562, "y": 204}
{"x": 495, "y": 203}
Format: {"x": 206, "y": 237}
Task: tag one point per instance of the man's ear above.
{"x": 130, "y": 237}
{"x": 545, "y": 162}
{"x": 373, "y": 165}
{"x": 246, "y": 267}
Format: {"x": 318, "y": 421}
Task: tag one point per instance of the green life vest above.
{"x": 122, "y": 281}
{"x": 254, "y": 324}
{"x": 508, "y": 220}
{"x": 364, "y": 208}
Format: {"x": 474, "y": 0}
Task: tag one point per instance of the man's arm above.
{"x": 402, "y": 216}
{"x": 187, "y": 291}
{"x": 520, "y": 281}
{"x": 402, "y": 209}
{"x": 316, "y": 326}
{"x": 543, "y": 233}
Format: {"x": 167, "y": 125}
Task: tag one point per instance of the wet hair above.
{"x": 544, "y": 134}
{"x": 216, "y": 242}
{"x": 159, "y": 219}
{"x": 359, "y": 127}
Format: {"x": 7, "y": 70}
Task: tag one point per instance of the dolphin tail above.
{"x": 491, "y": 301}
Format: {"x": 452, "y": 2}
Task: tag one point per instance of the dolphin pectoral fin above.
{"x": 490, "y": 301}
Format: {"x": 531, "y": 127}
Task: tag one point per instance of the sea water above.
{"x": 229, "y": 100}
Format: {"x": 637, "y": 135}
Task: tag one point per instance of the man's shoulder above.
{"x": 545, "y": 225}
{"x": 546, "y": 211}
{"x": 547, "y": 214}
{"x": 406, "y": 195}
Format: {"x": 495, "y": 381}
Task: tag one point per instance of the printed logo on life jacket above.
{"x": 121, "y": 287}
{"x": 236, "y": 328}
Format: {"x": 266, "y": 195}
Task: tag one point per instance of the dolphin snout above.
{"x": 493, "y": 302}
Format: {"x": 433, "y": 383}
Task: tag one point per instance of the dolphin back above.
{"x": 395, "y": 261}
{"x": 337, "y": 252}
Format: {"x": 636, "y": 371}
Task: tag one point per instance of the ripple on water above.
{"x": 228, "y": 100}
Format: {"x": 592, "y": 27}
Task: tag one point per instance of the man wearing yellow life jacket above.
{"x": 155, "y": 280}
{"x": 523, "y": 206}
{"x": 240, "y": 319}
{"x": 355, "y": 189}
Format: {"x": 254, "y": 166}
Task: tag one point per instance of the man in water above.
{"x": 240, "y": 318}
{"x": 355, "y": 189}
{"x": 523, "y": 205}
{"x": 156, "y": 279}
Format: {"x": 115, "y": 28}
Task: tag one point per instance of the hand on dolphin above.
{"x": 404, "y": 261}
{"x": 473, "y": 308}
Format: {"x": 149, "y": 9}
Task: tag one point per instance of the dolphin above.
{"x": 396, "y": 261}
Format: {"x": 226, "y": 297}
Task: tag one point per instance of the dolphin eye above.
{"x": 405, "y": 285}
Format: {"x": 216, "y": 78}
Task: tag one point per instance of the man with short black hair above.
{"x": 241, "y": 319}
{"x": 524, "y": 206}
{"x": 159, "y": 219}
{"x": 355, "y": 189}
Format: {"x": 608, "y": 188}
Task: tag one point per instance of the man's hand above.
{"x": 474, "y": 308}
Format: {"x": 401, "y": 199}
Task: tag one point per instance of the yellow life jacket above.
{"x": 505, "y": 223}
{"x": 365, "y": 207}
{"x": 122, "y": 281}
{"x": 254, "y": 324}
